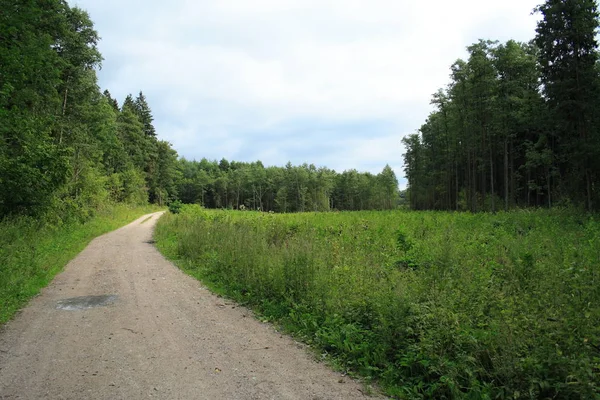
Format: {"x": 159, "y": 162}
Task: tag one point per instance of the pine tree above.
{"x": 566, "y": 37}
{"x": 112, "y": 101}
{"x": 145, "y": 115}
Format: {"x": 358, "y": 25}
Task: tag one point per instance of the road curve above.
{"x": 157, "y": 333}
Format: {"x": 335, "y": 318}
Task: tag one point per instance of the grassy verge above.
{"x": 32, "y": 252}
{"x": 430, "y": 304}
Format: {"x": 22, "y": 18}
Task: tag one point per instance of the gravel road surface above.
{"x": 121, "y": 322}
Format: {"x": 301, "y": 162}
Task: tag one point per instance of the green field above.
{"x": 33, "y": 251}
{"x": 427, "y": 304}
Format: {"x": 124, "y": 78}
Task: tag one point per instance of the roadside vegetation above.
{"x": 428, "y": 304}
{"x": 33, "y": 251}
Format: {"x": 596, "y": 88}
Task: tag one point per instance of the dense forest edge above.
{"x": 252, "y": 186}
{"x": 519, "y": 123}
{"x": 67, "y": 148}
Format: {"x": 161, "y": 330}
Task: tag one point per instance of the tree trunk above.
{"x": 588, "y": 183}
{"x": 548, "y": 187}
{"x": 505, "y": 174}
{"x": 513, "y": 183}
{"x": 492, "y": 180}
{"x": 64, "y": 110}
{"x": 528, "y": 188}
{"x": 456, "y": 185}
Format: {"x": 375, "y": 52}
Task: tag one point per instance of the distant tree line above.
{"x": 291, "y": 188}
{"x": 65, "y": 147}
{"x": 518, "y": 125}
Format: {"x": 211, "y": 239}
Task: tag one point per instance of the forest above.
{"x": 518, "y": 125}
{"x": 67, "y": 147}
{"x": 284, "y": 189}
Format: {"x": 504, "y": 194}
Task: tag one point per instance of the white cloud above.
{"x": 219, "y": 74}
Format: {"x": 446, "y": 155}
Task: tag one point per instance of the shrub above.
{"x": 175, "y": 207}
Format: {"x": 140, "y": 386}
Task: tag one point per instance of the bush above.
{"x": 175, "y": 207}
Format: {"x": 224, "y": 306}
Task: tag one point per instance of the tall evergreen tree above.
{"x": 145, "y": 115}
{"x": 485, "y": 137}
{"x": 65, "y": 148}
{"x": 112, "y": 101}
{"x": 566, "y": 38}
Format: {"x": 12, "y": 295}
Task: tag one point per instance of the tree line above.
{"x": 67, "y": 148}
{"x": 518, "y": 125}
{"x": 291, "y": 188}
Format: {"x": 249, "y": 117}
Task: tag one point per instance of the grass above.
{"x": 32, "y": 252}
{"x": 428, "y": 304}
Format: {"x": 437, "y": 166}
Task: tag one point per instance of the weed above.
{"x": 447, "y": 306}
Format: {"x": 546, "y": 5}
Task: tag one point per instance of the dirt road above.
{"x": 152, "y": 331}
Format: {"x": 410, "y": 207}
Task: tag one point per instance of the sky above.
{"x": 335, "y": 83}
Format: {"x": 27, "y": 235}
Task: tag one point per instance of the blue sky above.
{"x": 335, "y": 83}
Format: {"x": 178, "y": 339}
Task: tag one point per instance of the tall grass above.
{"x": 33, "y": 251}
{"x": 431, "y": 304}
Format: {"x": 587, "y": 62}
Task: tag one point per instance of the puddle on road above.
{"x": 85, "y": 302}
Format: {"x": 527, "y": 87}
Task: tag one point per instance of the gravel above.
{"x": 160, "y": 335}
